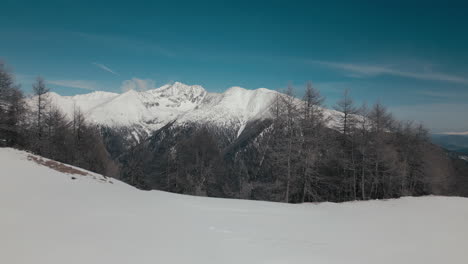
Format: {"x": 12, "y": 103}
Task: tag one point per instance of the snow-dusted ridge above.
{"x": 47, "y": 217}
{"x": 152, "y": 109}
{"x": 454, "y": 133}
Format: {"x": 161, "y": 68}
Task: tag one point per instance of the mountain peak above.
{"x": 236, "y": 89}
{"x": 130, "y": 92}
{"x": 181, "y": 89}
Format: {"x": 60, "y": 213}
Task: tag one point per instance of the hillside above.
{"x": 55, "y": 213}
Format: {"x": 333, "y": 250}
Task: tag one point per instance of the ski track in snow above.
{"x": 46, "y": 217}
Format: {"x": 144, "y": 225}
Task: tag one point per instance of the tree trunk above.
{"x": 289, "y": 164}
{"x": 363, "y": 191}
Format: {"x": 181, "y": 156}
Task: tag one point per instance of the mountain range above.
{"x": 453, "y": 142}
{"x": 143, "y": 112}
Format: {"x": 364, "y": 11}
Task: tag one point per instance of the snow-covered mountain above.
{"x": 152, "y": 109}
{"x": 233, "y": 108}
{"x": 56, "y": 213}
{"x": 455, "y": 133}
{"x": 453, "y": 142}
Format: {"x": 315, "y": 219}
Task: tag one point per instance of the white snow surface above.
{"x": 47, "y": 217}
{"x": 178, "y": 102}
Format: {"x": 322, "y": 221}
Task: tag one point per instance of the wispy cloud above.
{"x": 363, "y": 70}
{"x": 105, "y": 68}
{"x": 130, "y": 44}
{"x": 138, "y": 84}
{"x": 80, "y": 84}
{"x": 445, "y": 94}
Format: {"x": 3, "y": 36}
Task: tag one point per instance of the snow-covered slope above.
{"x": 151, "y": 110}
{"x": 233, "y": 108}
{"x": 48, "y": 217}
{"x": 86, "y": 102}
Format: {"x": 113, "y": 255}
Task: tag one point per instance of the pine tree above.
{"x": 12, "y": 109}
{"x": 40, "y": 92}
{"x": 312, "y": 126}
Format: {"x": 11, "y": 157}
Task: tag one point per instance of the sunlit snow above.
{"x": 48, "y": 217}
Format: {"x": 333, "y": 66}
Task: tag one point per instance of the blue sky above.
{"x": 410, "y": 55}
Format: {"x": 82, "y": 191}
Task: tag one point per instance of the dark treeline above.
{"x": 371, "y": 156}
{"x": 44, "y": 130}
{"x": 295, "y": 156}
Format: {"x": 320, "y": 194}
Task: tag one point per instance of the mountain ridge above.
{"x": 147, "y": 111}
